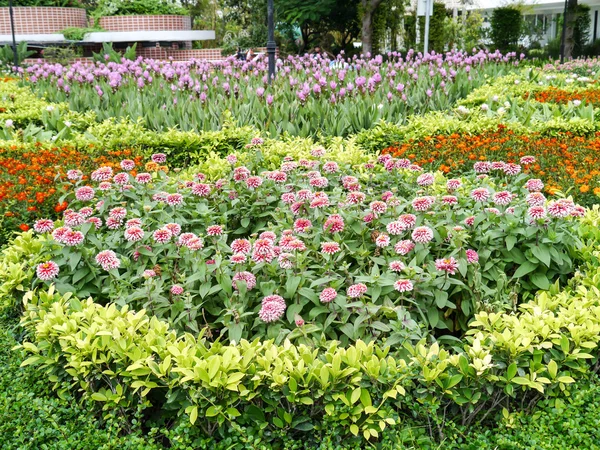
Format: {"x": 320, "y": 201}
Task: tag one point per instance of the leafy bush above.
{"x": 507, "y": 360}
{"x": 7, "y": 55}
{"x": 506, "y": 28}
{"x": 138, "y": 7}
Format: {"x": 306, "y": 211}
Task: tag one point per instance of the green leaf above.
{"x": 365, "y": 397}
{"x": 99, "y": 397}
{"x": 510, "y": 242}
{"x": 524, "y": 269}
{"x": 511, "y": 371}
{"x": 540, "y": 280}
{"x": 194, "y": 414}
{"x": 212, "y": 411}
{"x": 542, "y": 253}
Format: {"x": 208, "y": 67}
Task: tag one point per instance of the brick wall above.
{"x": 145, "y": 23}
{"x": 41, "y": 20}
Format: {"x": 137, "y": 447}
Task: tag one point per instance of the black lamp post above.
{"x": 271, "y": 45}
{"x": 12, "y": 29}
{"x": 564, "y": 34}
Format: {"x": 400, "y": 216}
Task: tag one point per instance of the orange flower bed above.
{"x": 555, "y": 95}
{"x": 30, "y": 176}
{"x": 565, "y": 162}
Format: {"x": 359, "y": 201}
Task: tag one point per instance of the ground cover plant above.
{"x": 308, "y": 97}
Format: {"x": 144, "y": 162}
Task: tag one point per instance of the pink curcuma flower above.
{"x": 84, "y": 193}
{"x": 472, "y": 256}
{"x": 143, "y": 178}
{"x": 534, "y": 185}
{"x": 448, "y": 265}
{"x": 422, "y": 235}
{"x": 480, "y": 194}
{"x": 425, "y": 179}
{"x": 127, "y": 164}
{"x": 356, "y": 290}
{"x": 378, "y": 207}
{"x": 382, "y": 241}
{"x": 176, "y": 289}
{"x": 328, "y": 295}
{"x": 502, "y": 198}
{"x": 159, "y": 158}
{"x": 162, "y": 235}
{"x": 334, "y": 224}
{"x": 397, "y": 266}
{"x": 330, "y": 248}
{"x": 108, "y": 260}
{"x": 403, "y": 285}
{"x": 47, "y": 270}
{"x": 272, "y": 308}
{"x": 423, "y": 203}
{"x": 134, "y": 234}
{"x": 404, "y": 247}
{"x": 43, "y": 226}
{"x": 214, "y": 230}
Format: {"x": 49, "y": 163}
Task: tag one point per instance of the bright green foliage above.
{"x": 506, "y": 28}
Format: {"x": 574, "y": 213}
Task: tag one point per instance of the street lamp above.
{"x": 12, "y": 30}
{"x": 271, "y": 46}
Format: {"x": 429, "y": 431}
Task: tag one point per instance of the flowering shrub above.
{"x": 553, "y": 95}
{"x": 565, "y": 162}
{"x": 30, "y": 178}
{"x": 309, "y": 96}
{"x": 311, "y": 249}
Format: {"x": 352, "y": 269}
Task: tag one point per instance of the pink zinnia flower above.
{"x": 560, "y": 208}
{"x": 535, "y": 199}
{"x": 241, "y": 246}
{"x": 356, "y": 290}
{"x": 73, "y": 219}
{"x": 423, "y": 203}
{"x": 149, "y": 273}
{"x": 143, "y": 178}
{"x": 286, "y": 260}
{"x": 113, "y": 224}
{"x": 331, "y": 167}
{"x": 134, "y": 234}
{"x": 195, "y": 244}
{"x": 534, "y": 185}
{"x": 382, "y": 241}
{"x": 482, "y": 167}
{"x": 321, "y": 201}
{"x": 272, "y": 308}
{"x": 47, "y": 270}
{"x": 512, "y": 169}
{"x": 330, "y": 248}
{"x": 201, "y": 189}
{"x": 159, "y": 158}
{"x": 240, "y": 173}
{"x": 397, "y": 266}
{"x": 108, "y": 260}
{"x": 231, "y": 159}
{"x": 425, "y": 179}
{"x": 127, "y": 164}
{"x": 378, "y": 207}
{"x": 174, "y": 199}
{"x": 247, "y": 277}
{"x": 409, "y": 220}
{"x": 268, "y": 235}
{"x": 469, "y": 221}
{"x": 214, "y": 230}
{"x": 526, "y": 160}
{"x": 403, "y": 285}
{"x": 86, "y": 211}
{"x": 453, "y": 184}
{"x": 162, "y": 235}
{"x": 502, "y": 198}
{"x": 238, "y": 258}
{"x": 302, "y": 225}
{"x": 334, "y": 224}
{"x": 121, "y": 178}
{"x": 449, "y": 265}
{"x": 96, "y": 221}
{"x": 537, "y": 212}
{"x": 133, "y": 223}
{"x": 472, "y": 256}
{"x": 422, "y": 235}
{"x": 449, "y": 200}
{"x": 176, "y": 289}
{"x": 288, "y": 198}
{"x": 102, "y": 174}
{"x": 118, "y": 213}
{"x": 480, "y": 194}
{"x": 74, "y": 175}
{"x": 43, "y": 226}
{"x": 578, "y": 211}
{"x": 355, "y": 198}
{"x": 174, "y": 228}
{"x": 404, "y": 247}
{"x": 72, "y": 238}
{"x": 327, "y": 295}
{"x": 59, "y": 233}
{"x": 395, "y": 228}
{"x": 84, "y": 193}
{"x": 105, "y": 186}
{"x": 254, "y": 182}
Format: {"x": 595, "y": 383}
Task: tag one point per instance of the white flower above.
{"x": 517, "y": 81}
{"x": 463, "y": 110}
{"x": 68, "y": 124}
{"x": 9, "y": 123}
{"x": 495, "y": 98}
{"x": 380, "y": 106}
{"x": 484, "y": 107}
{"x": 501, "y": 111}
{"x": 576, "y": 103}
{"x": 49, "y": 108}
{"x": 507, "y": 104}
{"x": 569, "y": 80}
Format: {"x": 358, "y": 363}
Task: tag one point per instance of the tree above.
{"x": 507, "y": 28}
{"x": 368, "y": 10}
{"x": 571, "y": 20}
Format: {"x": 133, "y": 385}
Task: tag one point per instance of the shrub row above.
{"x": 125, "y": 359}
